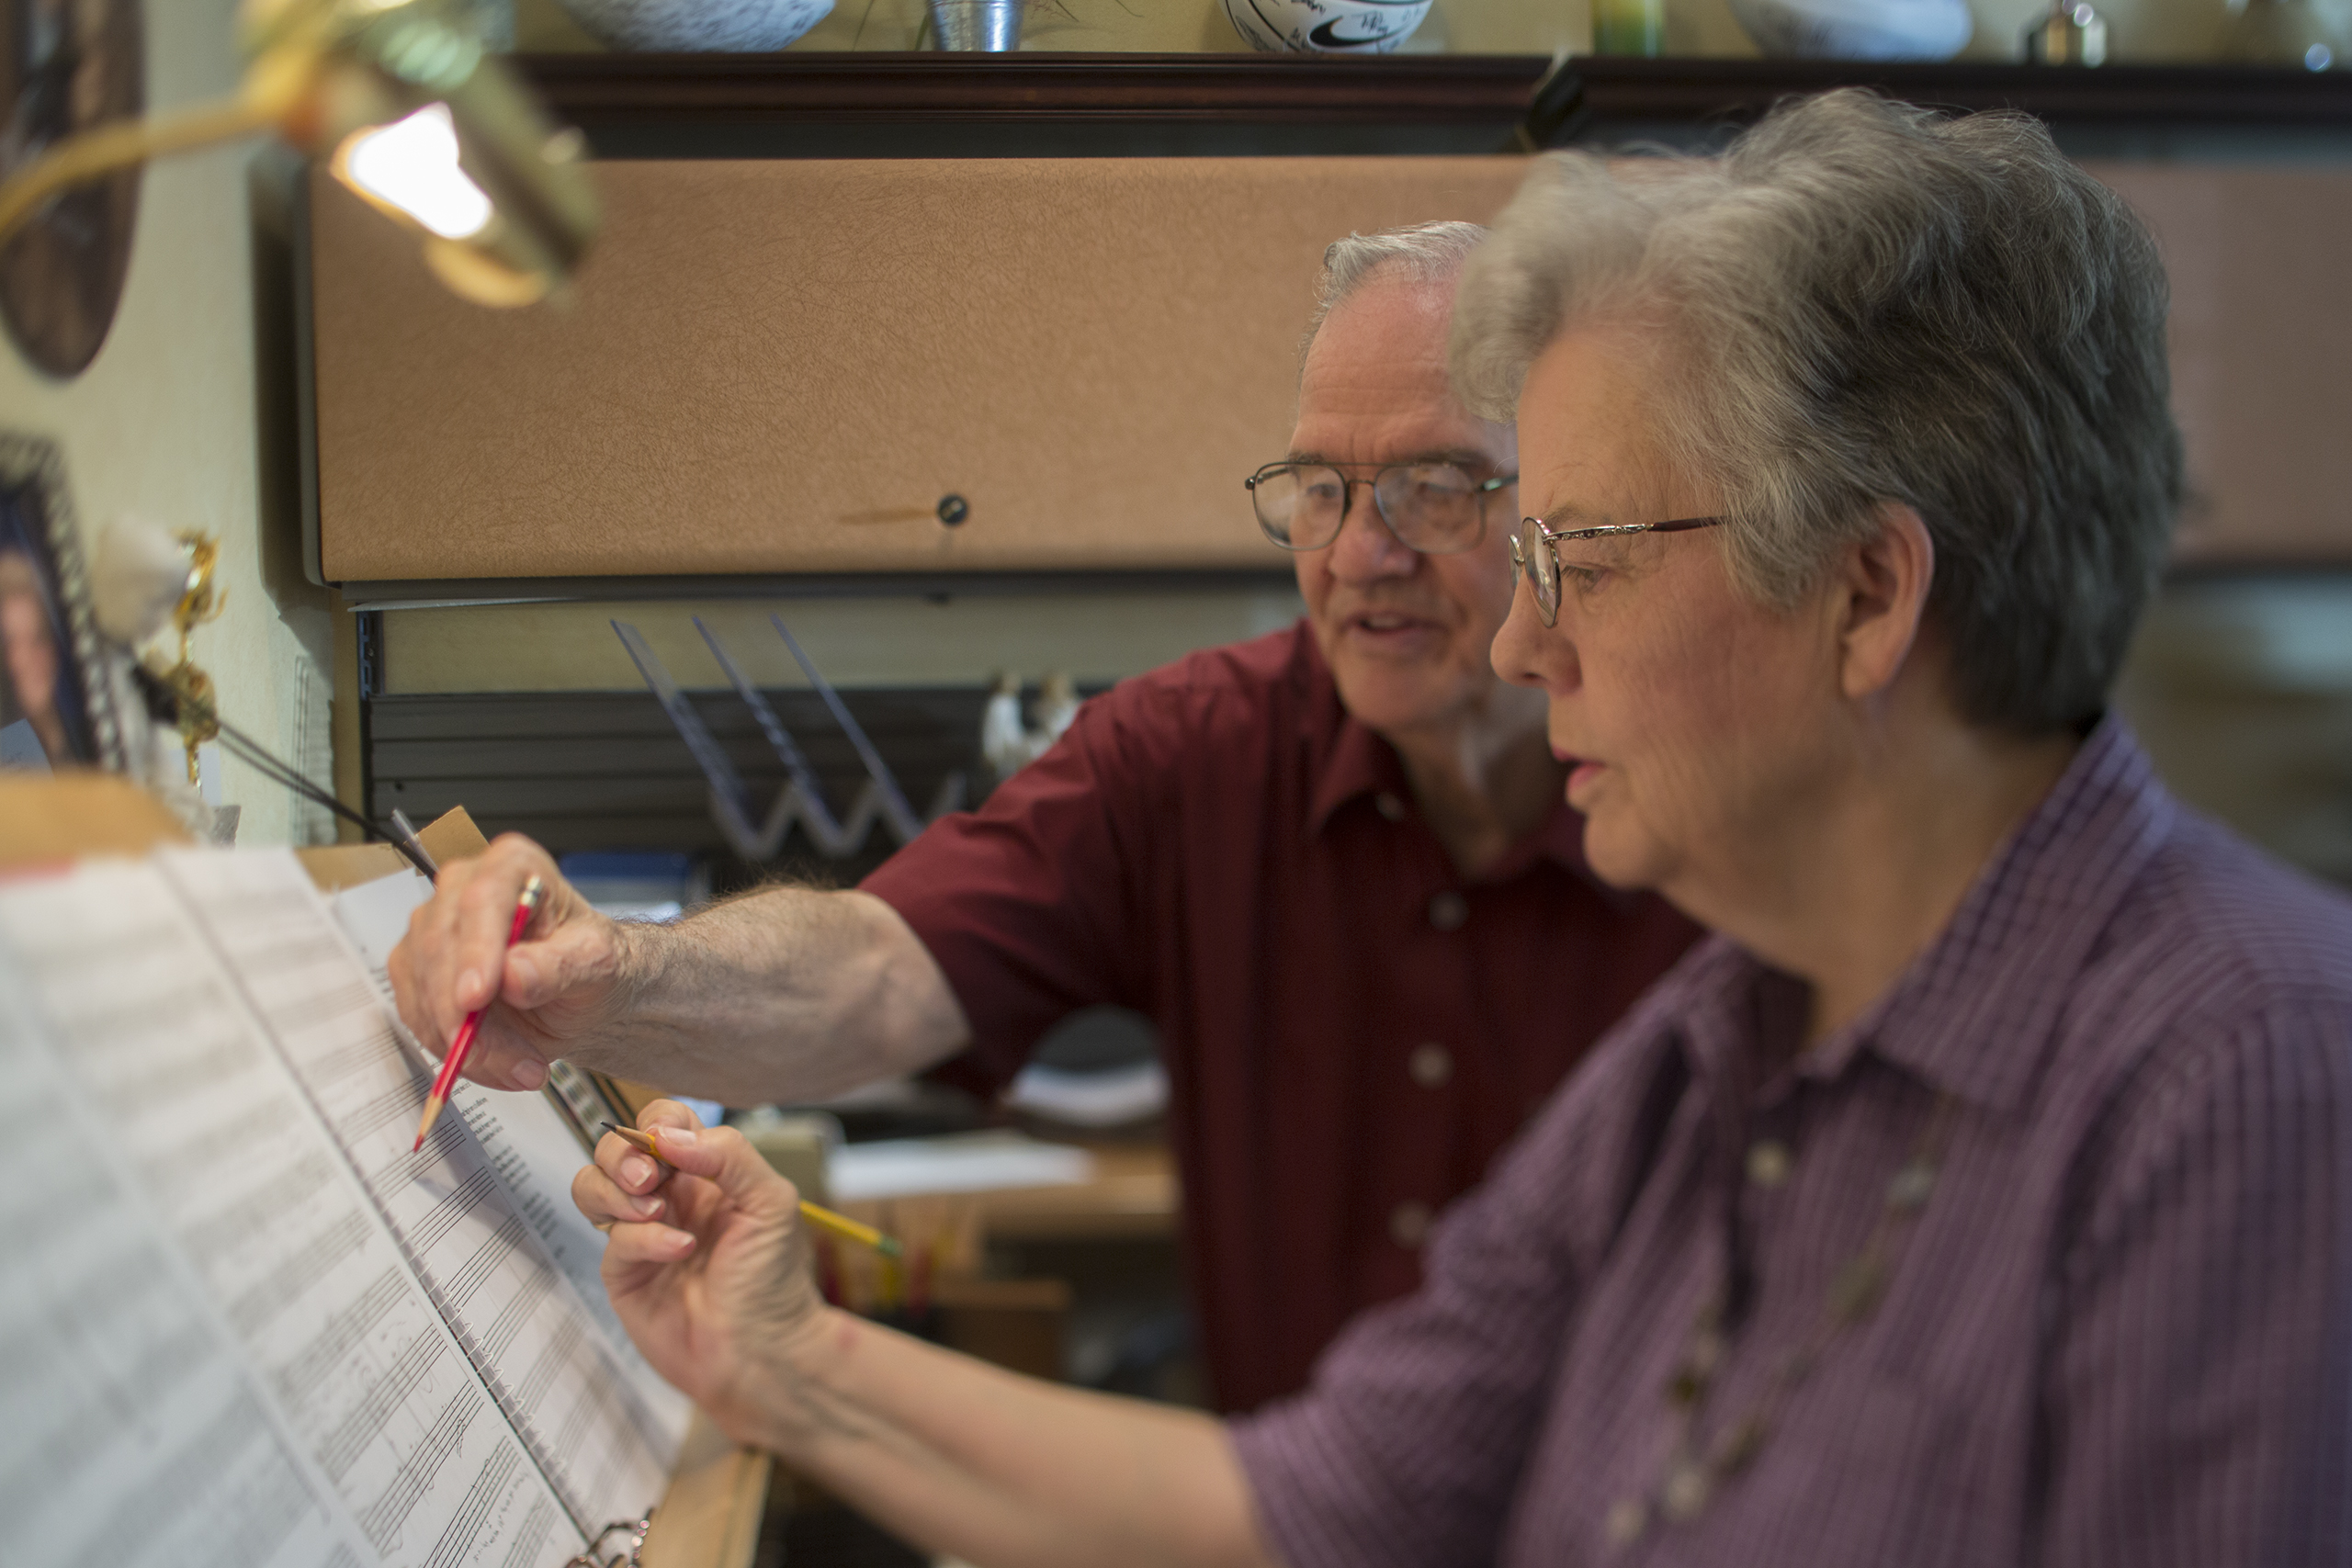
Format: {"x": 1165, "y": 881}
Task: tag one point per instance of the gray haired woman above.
{"x": 1983, "y": 1193}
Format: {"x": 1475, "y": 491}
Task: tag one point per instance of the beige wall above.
{"x": 163, "y": 426}
{"x": 1461, "y": 26}
{"x": 967, "y": 640}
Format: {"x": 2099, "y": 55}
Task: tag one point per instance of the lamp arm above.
{"x": 266, "y": 99}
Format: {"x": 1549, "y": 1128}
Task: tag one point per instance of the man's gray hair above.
{"x": 1866, "y": 303}
{"x": 1424, "y": 253}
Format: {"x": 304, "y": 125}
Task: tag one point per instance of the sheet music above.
{"x": 135, "y": 1437}
{"x": 525, "y": 1329}
{"x": 530, "y": 1144}
{"x": 532, "y": 1148}
{"x": 378, "y": 1398}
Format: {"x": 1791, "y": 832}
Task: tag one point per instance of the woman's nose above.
{"x": 1529, "y": 653}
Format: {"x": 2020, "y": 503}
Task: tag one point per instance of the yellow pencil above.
{"x": 816, "y": 1214}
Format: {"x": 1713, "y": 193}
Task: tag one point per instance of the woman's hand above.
{"x": 708, "y": 1269}
{"x": 707, "y": 1266}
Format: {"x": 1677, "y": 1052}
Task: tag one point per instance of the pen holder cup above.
{"x": 988, "y": 25}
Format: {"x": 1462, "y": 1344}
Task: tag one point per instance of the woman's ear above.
{"x": 1882, "y": 598}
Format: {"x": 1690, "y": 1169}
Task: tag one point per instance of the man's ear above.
{"x": 1882, "y": 598}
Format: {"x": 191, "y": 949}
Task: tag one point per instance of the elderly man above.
{"x": 1981, "y": 1193}
{"x": 1322, "y": 861}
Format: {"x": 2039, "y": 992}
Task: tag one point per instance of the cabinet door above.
{"x": 792, "y": 366}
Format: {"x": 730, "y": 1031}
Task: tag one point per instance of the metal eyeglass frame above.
{"x": 1544, "y": 582}
{"x": 1483, "y": 488}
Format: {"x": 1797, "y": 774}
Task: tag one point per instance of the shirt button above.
{"x": 1431, "y": 1066}
{"x": 1408, "y": 1224}
{"x": 1388, "y": 805}
{"x": 1768, "y": 1163}
{"x": 1448, "y": 910}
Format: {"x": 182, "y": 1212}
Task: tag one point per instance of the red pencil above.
{"x": 451, "y": 1065}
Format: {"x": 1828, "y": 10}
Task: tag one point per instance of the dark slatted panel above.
{"x": 605, "y": 769}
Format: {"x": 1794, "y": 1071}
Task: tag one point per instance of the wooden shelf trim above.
{"x": 612, "y": 89}
{"x": 1601, "y": 91}
{"x": 595, "y": 89}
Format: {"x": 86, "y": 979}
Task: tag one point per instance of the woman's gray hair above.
{"x": 1866, "y": 303}
{"x": 1424, "y": 253}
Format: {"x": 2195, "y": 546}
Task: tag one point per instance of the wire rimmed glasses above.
{"x": 1533, "y": 553}
{"x": 1436, "y": 508}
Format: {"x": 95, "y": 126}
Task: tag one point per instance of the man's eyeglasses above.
{"x": 1532, "y": 552}
{"x": 1435, "y": 508}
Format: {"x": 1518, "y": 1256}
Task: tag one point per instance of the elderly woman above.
{"x": 1983, "y": 1193}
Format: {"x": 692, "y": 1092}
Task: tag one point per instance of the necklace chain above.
{"x": 1697, "y": 1470}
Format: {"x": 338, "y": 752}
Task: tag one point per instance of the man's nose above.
{"x": 1367, "y": 547}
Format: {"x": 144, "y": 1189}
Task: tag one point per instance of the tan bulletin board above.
{"x": 785, "y": 366}
{"x": 2261, "y": 333}
{"x": 773, "y": 367}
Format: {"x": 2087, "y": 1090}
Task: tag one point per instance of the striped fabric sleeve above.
{"x": 2199, "y": 1383}
{"x": 1409, "y": 1445}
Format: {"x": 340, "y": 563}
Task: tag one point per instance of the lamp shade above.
{"x": 410, "y": 111}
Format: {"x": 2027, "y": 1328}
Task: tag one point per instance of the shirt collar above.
{"x": 1975, "y": 1014}
{"x": 1361, "y": 765}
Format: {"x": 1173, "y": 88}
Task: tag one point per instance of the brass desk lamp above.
{"x": 408, "y": 110}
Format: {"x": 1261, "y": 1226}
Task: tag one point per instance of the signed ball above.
{"x": 1325, "y": 27}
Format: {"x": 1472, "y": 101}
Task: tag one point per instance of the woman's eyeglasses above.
{"x": 1534, "y": 552}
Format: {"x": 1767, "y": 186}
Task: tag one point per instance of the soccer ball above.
{"x": 1325, "y": 27}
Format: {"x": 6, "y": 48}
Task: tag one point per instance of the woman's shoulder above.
{"x": 2222, "y": 968}
{"x": 2230, "y": 924}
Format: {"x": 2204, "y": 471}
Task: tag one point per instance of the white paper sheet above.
{"x": 378, "y": 1399}
{"x": 134, "y": 1436}
{"x": 967, "y": 1162}
{"x": 531, "y": 1145}
{"x": 527, "y": 1332}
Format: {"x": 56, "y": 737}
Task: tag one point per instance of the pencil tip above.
{"x": 433, "y": 1103}
{"x": 888, "y": 1246}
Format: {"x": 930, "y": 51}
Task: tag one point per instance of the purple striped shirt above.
{"x": 2117, "y": 1333}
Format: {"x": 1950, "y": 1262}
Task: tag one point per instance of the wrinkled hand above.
{"x": 707, "y": 1265}
{"x": 554, "y": 990}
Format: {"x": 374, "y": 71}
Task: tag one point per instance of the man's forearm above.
{"x": 966, "y": 1458}
{"x": 787, "y": 994}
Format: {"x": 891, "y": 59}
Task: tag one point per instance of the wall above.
{"x": 1461, "y": 26}
{"x": 2137, "y": 30}
{"x": 165, "y": 424}
{"x": 963, "y": 640}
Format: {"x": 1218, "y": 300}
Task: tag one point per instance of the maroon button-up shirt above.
{"x": 2119, "y": 1332}
{"x": 1352, "y": 1028}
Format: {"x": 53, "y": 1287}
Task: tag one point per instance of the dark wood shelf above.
{"x": 674, "y": 105}
{"x": 605, "y": 89}
{"x": 1598, "y": 93}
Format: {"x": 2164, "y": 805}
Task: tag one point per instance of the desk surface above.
{"x": 1133, "y": 1194}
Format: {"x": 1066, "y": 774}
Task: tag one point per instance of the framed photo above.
{"x": 56, "y": 700}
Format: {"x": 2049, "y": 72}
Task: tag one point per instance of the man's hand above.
{"x": 707, "y": 1265}
{"x": 553, "y": 989}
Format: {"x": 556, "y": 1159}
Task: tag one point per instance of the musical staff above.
{"x": 531, "y": 1340}
{"x": 317, "y": 1381}
{"x": 134, "y": 1439}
